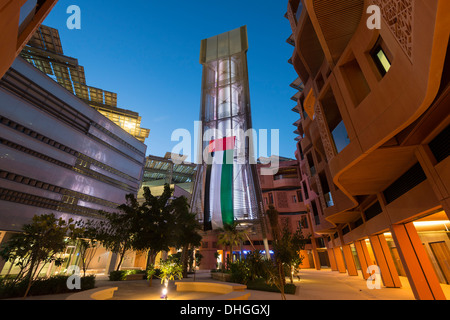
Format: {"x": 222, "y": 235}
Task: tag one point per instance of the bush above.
{"x": 122, "y": 274}
{"x": 118, "y": 275}
{"x": 260, "y": 284}
{"x": 239, "y": 272}
{"x": 157, "y": 273}
{"x": 47, "y": 286}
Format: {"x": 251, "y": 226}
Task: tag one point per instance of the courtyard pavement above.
{"x": 313, "y": 285}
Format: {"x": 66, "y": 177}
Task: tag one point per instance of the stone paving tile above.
{"x": 313, "y": 285}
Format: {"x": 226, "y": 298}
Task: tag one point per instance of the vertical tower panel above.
{"x": 226, "y": 109}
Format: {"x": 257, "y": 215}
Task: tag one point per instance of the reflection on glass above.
{"x": 340, "y": 136}
{"x": 329, "y": 199}
{"x": 299, "y": 11}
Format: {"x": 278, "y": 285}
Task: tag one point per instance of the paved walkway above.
{"x": 314, "y": 285}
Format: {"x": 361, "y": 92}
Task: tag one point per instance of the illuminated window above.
{"x": 382, "y": 57}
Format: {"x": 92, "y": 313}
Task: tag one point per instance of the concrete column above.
{"x": 384, "y": 260}
{"x": 349, "y": 260}
{"x": 339, "y": 259}
{"x": 314, "y": 245}
{"x": 420, "y": 272}
{"x": 348, "y": 256}
{"x": 112, "y": 262}
{"x": 364, "y": 258}
{"x": 305, "y": 262}
{"x": 332, "y": 259}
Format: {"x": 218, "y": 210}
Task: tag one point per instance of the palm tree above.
{"x": 280, "y": 279}
{"x": 231, "y": 236}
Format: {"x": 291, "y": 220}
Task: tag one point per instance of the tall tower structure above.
{"x": 227, "y": 187}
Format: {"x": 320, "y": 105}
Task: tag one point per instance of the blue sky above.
{"x": 148, "y": 53}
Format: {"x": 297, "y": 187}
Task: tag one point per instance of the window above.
{"x": 312, "y": 168}
{"x": 270, "y": 198}
{"x": 382, "y": 57}
{"x": 326, "y": 189}
{"x": 356, "y": 81}
{"x": 315, "y": 213}
{"x": 305, "y": 190}
{"x": 334, "y": 121}
{"x": 303, "y": 223}
{"x": 298, "y": 13}
{"x": 294, "y": 199}
{"x": 299, "y": 196}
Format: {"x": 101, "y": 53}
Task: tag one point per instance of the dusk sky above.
{"x": 148, "y": 53}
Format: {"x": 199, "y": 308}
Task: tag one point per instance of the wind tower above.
{"x": 227, "y": 187}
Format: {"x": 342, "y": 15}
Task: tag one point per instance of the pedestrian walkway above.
{"x": 313, "y": 285}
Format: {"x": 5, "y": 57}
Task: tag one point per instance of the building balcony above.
{"x": 334, "y": 23}
{"x": 290, "y": 40}
{"x": 386, "y": 116}
{"x": 305, "y": 144}
{"x": 296, "y": 96}
{"x": 309, "y": 53}
{"x": 18, "y": 22}
{"x": 294, "y": 10}
{"x": 297, "y": 84}
{"x": 281, "y": 182}
{"x": 299, "y": 66}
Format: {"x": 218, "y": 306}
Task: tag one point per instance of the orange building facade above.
{"x": 19, "y": 20}
{"x": 373, "y": 136}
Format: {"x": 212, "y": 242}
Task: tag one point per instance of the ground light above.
{"x": 165, "y": 291}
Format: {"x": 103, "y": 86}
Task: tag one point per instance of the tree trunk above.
{"x": 231, "y": 253}
{"x": 185, "y": 260}
{"x": 30, "y": 277}
{"x": 122, "y": 256}
{"x": 151, "y": 257}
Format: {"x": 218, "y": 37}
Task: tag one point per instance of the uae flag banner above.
{"x": 219, "y": 184}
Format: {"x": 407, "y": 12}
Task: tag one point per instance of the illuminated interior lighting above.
{"x": 384, "y": 60}
{"x": 432, "y": 223}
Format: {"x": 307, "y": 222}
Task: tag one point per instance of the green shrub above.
{"x": 122, "y": 274}
{"x": 44, "y": 286}
{"x": 118, "y": 275}
{"x": 260, "y": 284}
{"x": 239, "y": 272}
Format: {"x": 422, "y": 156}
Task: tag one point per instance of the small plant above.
{"x": 151, "y": 271}
{"x": 170, "y": 270}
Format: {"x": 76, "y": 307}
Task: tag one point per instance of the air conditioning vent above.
{"x": 406, "y": 182}
{"x": 358, "y": 223}
{"x": 373, "y": 211}
{"x": 440, "y": 146}
{"x": 345, "y": 230}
